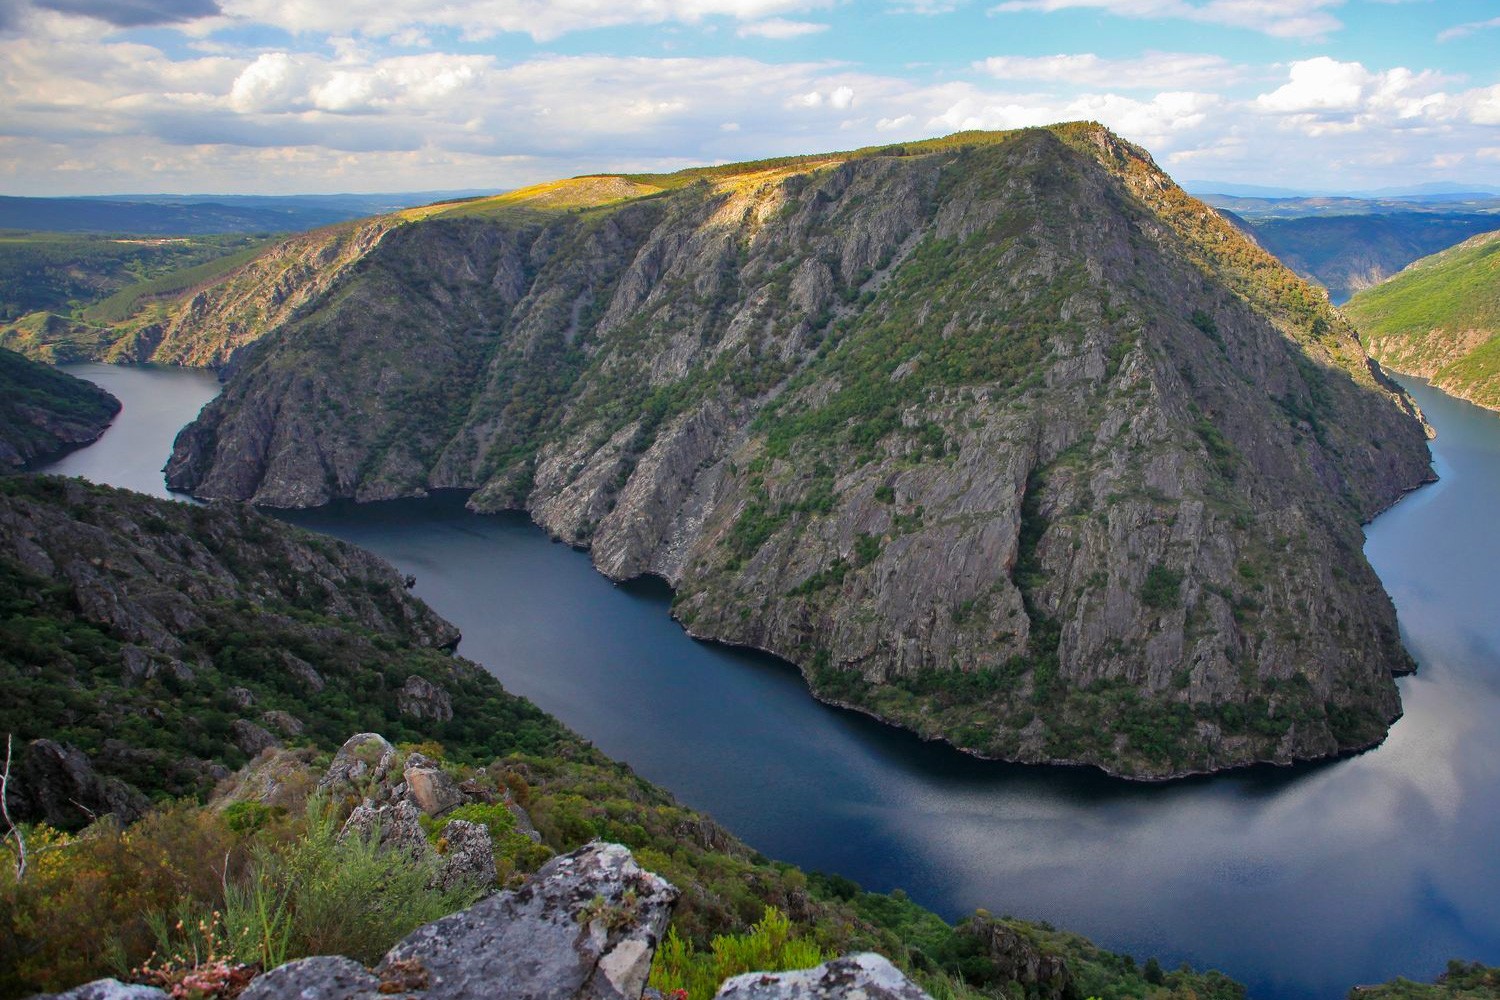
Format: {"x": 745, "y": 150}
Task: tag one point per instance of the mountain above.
{"x": 44, "y": 412}
{"x": 1348, "y": 253}
{"x": 1259, "y": 209}
{"x": 148, "y": 647}
{"x": 1440, "y": 319}
{"x": 1000, "y": 437}
{"x": 184, "y": 215}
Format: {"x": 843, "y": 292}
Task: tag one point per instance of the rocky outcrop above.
{"x": 45, "y": 412}
{"x": 1041, "y": 973}
{"x": 422, "y": 699}
{"x": 868, "y": 976}
{"x": 57, "y": 784}
{"x": 585, "y": 926}
{"x": 1005, "y": 439}
{"x": 155, "y": 619}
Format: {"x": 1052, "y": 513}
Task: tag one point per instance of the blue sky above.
{"x": 282, "y": 96}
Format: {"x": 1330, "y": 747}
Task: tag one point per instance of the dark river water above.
{"x": 1298, "y": 882}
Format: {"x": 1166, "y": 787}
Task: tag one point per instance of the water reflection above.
{"x": 1300, "y": 882}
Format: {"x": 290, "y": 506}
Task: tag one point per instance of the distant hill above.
{"x": 1440, "y": 319}
{"x": 1261, "y": 208}
{"x": 183, "y": 215}
{"x": 1347, "y": 253}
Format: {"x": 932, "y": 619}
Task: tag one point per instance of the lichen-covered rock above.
{"x": 586, "y": 926}
{"x": 865, "y": 976}
{"x": 429, "y": 787}
{"x": 396, "y": 827}
{"x": 107, "y": 989}
{"x": 326, "y": 977}
{"x": 250, "y": 738}
{"x": 365, "y": 759}
{"x": 468, "y": 856}
{"x": 277, "y": 777}
{"x": 422, "y": 699}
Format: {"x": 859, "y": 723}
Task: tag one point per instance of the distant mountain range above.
{"x": 1433, "y": 190}
{"x": 187, "y": 215}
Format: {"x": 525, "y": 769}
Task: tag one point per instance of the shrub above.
{"x": 769, "y": 946}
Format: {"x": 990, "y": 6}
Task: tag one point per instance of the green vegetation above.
{"x": 65, "y": 273}
{"x": 64, "y": 671}
{"x": 42, "y": 410}
{"x": 129, "y": 300}
{"x": 1440, "y": 318}
{"x": 1462, "y": 981}
{"x": 769, "y": 946}
{"x": 1345, "y": 252}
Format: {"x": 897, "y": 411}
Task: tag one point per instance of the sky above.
{"x": 322, "y": 96}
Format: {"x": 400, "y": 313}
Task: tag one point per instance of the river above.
{"x": 1299, "y": 882}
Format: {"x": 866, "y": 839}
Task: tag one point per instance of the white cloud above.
{"x": 779, "y": 28}
{"x": 476, "y": 19}
{"x": 86, "y": 111}
{"x": 1278, "y": 18}
{"x": 1463, "y": 30}
{"x": 1152, "y": 71}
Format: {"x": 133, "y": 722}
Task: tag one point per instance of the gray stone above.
{"x": 364, "y": 760}
{"x": 250, "y": 738}
{"x": 322, "y": 978}
{"x": 107, "y": 989}
{"x": 468, "y": 854}
{"x": 304, "y": 672}
{"x": 283, "y": 722}
{"x": 397, "y": 826}
{"x": 240, "y": 697}
{"x": 585, "y": 926}
{"x": 422, "y": 699}
{"x": 865, "y": 976}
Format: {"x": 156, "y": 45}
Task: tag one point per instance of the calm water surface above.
{"x": 1298, "y": 882}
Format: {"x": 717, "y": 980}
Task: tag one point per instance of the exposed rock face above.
{"x": 152, "y": 610}
{"x": 44, "y": 412}
{"x": 422, "y": 699}
{"x": 250, "y": 738}
{"x": 1005, "y": 439}
{"x": 866, "y": 976}
{"x": 1016, "y": 959}
{"x": 57, "y": 784}
{"x": 429, "y": 787}
{"x": 585, "y": 926}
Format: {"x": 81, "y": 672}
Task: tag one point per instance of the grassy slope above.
{"x": 1440, "y": 318}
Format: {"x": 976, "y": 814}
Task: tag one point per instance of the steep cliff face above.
{"x": 44, "y": 412}
{"x": 1002, "y": 437}
{"x": 160, "y": 644}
